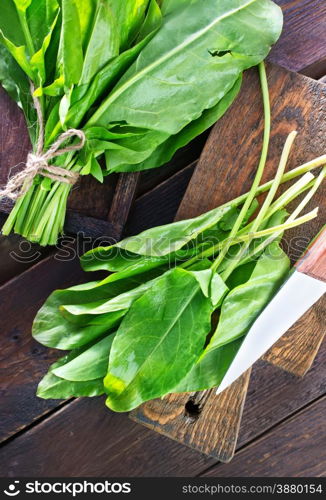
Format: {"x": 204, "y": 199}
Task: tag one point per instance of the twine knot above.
{"x": 38, "y": 162}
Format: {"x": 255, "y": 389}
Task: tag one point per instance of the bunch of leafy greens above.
{"x": 140, "y": 78}
{"x": 146, "y": 330}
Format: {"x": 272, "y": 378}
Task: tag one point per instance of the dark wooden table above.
{"x": 282, "y": 428}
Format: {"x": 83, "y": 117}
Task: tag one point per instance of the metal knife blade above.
{"x": 294, "y": 298}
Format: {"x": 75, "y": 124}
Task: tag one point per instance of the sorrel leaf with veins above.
{"x": 172, "y": 321}
{"x": 239, "y": 310}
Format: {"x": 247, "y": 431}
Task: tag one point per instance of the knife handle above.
{"x": 313, "y": 261}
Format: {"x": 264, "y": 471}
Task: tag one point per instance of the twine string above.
{"x": 38, "y": 162}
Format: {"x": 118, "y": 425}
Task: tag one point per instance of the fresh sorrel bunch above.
{"x": 123, "y": 81}
{"x": 180, "y": 298}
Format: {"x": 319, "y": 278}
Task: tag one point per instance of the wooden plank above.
{"x": 90, "y": 227}
{"x": 274, "y": 395}
{"x": 90, "y": 440}
{"x": 297, "y": 103}
{"x": 22, "y": 360}
{"x": 296, "y": 448}
{"x": 200, "y": 420}
{"x": 122, "y": 201}
{"x": 166, "y": 198}
{"x": 14, "y": 140}
{"x": 17, "y": 255}
{"x": 313, "y": 261}
{"x": 302, "y": 44}
{"x": 185, "y": 156}
{"x": 91, "y": 198}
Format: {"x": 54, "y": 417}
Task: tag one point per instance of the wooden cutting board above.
{"x": 205, "y": 421}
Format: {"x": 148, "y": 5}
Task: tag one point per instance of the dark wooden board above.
{"x": 296, "y": 448}
{"x": 14, "y": 140}
{"x": 302, "y": 44}
{"x": 266, "y": 405}
{"x": 86, "y": 439}
{"x": 22, "y": 360}
{"x": 149, "y": 179}
{"x": 166, "y": 197}
{"x": 17, "y": 255}
{"x": 76, "y": 223}
{"x": 222, "y": 174}
{"x": 199, "y": 420}
{"x": 122, "y": 201}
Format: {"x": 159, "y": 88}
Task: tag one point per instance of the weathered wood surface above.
{"x": 86, "y": 439}
{"x": 296, "y": 448}
{"x": 141, "y": 452}
{"x": 201, "y": 420}
{"x": 166, "y": 198}
{"x": 14, "y": 140}
{"x": 298, "y": 103}
{"x": 22, "y": 360}
{"x": 302, "y": 45}
{"x": 122, "y": 201}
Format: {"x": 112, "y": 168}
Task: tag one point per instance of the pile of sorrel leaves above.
{"x": 180, "y": 298}
{"x": 140, "y": 78}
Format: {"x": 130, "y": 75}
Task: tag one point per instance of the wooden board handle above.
{"x": 313, "y": 262}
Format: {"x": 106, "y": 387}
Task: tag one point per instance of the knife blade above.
{"x": 304, "y": 287}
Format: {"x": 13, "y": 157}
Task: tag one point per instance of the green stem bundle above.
{"x": 261, "y": 166}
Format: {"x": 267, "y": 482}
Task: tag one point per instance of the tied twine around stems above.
{"x": 38, "y": 162}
